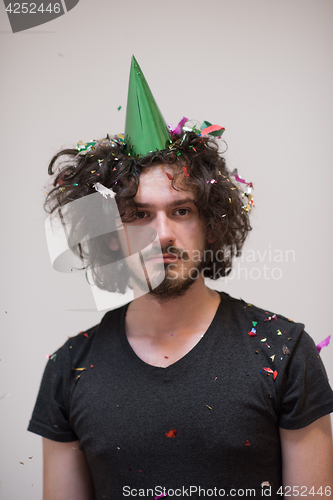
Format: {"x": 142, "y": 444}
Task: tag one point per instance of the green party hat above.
{"x": 145, "y": 129}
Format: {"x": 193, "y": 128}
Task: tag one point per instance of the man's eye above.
{"x": 182, "y": 211}
{"x": 140, "y": 215}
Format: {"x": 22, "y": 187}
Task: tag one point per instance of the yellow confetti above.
{"x": 272, "y": 357}
{"x": 263, "y": 340}
{"x": 279, "y": 332}
{"x": 209, "y": 407}
{"x": 79, "y": 369}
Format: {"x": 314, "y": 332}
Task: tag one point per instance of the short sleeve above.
{"x": 306, "y": 392}
{"x": 50, "y": 417}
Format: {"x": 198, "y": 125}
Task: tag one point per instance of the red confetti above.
{"x": 275, "y": 374}
{"x": 194, "y": 150}
{"x": 185, "y": 172}
{"x": 268, "y": 370}
{"x": 91, "y": 366}
{"x": 166, "y": 357}
{"x": 247, "y": 443}
{"x": 270, "y": 318}
{"x": 171, "y": 433}
{"x": 169, "y": 176}
{"x": 85, "y": 335}
{"x": 252, "y": 334}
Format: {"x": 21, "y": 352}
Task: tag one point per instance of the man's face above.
{"x": 175, "y": 217}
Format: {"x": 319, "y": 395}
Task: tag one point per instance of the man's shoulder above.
{"x": 82, "y": 341}
{"x": 257, "y": 320}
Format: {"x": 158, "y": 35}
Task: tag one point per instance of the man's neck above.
{"x": 192, "y": 312}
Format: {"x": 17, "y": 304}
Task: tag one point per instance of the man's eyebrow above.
{"x": 175, "y": 203}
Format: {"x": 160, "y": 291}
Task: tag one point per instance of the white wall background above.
{"x": 261, "y": 68}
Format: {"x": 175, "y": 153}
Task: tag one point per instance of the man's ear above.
{"x": 112, "y": 242}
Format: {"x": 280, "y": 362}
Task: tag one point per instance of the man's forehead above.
{"x": 156, "y": 186}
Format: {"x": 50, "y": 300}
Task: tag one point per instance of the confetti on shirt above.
{"x": 270, "y": 318}
{"x": 171, "y": 433}
{"x": 285, "y": 350}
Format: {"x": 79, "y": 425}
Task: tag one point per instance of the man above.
{"x": 185, "y": 391}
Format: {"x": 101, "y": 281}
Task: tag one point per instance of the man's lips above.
{"x": 166, "y": 257}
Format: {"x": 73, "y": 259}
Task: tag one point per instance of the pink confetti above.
{"x": 323, "y": 343}
{"x": 211, "y": 128}
{"x": 163, "y": 495}
{"x": 268, "y": 370}
{"x": 180, "y": 125}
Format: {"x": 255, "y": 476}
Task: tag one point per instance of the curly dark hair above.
{"x": 219, "y": 201}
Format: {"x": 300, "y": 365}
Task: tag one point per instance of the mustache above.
{"x": 170, "y": 250}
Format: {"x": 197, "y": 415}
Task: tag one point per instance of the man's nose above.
{"x": 165, "y": 230}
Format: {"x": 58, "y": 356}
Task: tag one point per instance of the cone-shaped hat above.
{"x": 145, "y": 128}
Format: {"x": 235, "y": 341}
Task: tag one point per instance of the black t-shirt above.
{"x": 208, "y": 421}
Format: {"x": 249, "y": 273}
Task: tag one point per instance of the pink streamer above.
{"x": 211, "y": 128}
{"x": 180, "y": 125}
{"x": 323, "y": 343}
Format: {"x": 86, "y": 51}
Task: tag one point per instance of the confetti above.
{"x": 185, "y": 172}
{"x": 263, "y": 340}
{"x": 254, "y": 323}
{"x": 163, "y": 495}
{"x": 253, "y": 332}
{"x": 169, "y": 176}
{"x": 213, "y": 128}
{"x": 166, "y": 357}
{"x": 119, "y": 108}
{"x": 180, "y": 125}
{"x": 270, "y": 318}
{"x": 275, "y": 374}
{"x": 268, "y": 370}
{"x": 171, "y": 433}
{"x": 278, "y": 332}
{"x": 272, "y": 357}
{"x": 209, "y": 407}
{"x": 247, "y": 443}
{"x": 285, "y": 350}
{"x": 323, "y": 343}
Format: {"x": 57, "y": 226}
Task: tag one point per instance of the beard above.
{"x": 173, "y": 284}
